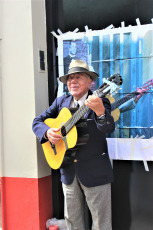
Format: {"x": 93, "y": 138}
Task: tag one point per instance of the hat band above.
{"x": 77, "y": 69}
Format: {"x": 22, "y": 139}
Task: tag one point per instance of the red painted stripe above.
{"x": 26, "y": 203}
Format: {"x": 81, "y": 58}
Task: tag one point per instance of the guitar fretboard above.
{"x": 121, "y": 101}
{"x": 76, "y": 117}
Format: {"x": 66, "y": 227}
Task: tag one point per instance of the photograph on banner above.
{"x": 129, "y": 52}
{"x": 72, "y": 50}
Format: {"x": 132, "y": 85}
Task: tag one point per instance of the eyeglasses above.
{"x": 77, "y": 77}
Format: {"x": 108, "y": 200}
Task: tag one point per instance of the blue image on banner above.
{"x": 131, "y": 55}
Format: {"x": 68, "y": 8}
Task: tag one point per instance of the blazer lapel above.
{"x": 66, "y": 102}
{"x": 89, "y": 111}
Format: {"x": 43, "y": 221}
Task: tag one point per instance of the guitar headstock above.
{"x": 148, "y": 84}
{"x": 109, "y": 85}
{"x": 116, "y": 79}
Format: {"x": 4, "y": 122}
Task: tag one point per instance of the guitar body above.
{"x": 82, "y": 139}
{"x": 55, "y": 159}
{"x": 115, "y": 113}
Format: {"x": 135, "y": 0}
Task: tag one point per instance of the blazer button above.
{"x": 108, "y": 122}
{"x": 75, "y": 160}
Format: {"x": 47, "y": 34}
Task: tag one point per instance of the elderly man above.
{"x": 90, "y": 174}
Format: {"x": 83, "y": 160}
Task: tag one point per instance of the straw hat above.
{"x": 78, "y": 66}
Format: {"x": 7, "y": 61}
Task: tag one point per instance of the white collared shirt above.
{"x": 80, "y": 101}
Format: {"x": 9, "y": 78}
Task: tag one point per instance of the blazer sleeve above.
{"x": 127, "y": 106}
{"x": 38, "y": 125}
{"x": 108, "y": 126}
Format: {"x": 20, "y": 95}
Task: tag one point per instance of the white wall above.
{"x": 24, "y": 88}
{"x": 1, "y": 147}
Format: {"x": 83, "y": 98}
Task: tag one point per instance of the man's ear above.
{"x": 90, "y": 80}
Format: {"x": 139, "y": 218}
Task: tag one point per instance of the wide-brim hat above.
{"x": 78, "y": 66}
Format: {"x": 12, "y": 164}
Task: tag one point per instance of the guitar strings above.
{"x": 75, "y": 118}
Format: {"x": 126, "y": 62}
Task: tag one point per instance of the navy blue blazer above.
{"x": 92, "y": 164}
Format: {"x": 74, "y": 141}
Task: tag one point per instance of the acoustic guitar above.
{"x": 115, "y": 112}
{"x": 67, "y": 122}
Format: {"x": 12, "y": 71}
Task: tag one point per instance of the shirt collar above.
{"x": 81, "y": 100}
{"x": 72, "y": 55}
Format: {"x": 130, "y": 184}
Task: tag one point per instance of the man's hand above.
{"x": 96, "y": 104}
{"x": 53, "y": 135}
{"x": 141, "y": 92}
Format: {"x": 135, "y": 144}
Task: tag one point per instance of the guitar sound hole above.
{"x": 63, "y": 131}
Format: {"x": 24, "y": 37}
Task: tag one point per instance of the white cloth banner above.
{"x": 130, "y": 149}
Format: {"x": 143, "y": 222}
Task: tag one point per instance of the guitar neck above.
{"x": 76, "y": 117}
{"x": 121, "y": 101}
{"x": 84, "y": 109}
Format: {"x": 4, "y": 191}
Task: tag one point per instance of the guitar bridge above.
{"x": 53, "y": 147}
{"x": 63, "y": 133}
{"x": 66, "y": 146}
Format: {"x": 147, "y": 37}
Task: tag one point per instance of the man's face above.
{"x": 78, "y": 84}
{"x": 73, "y": 48}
